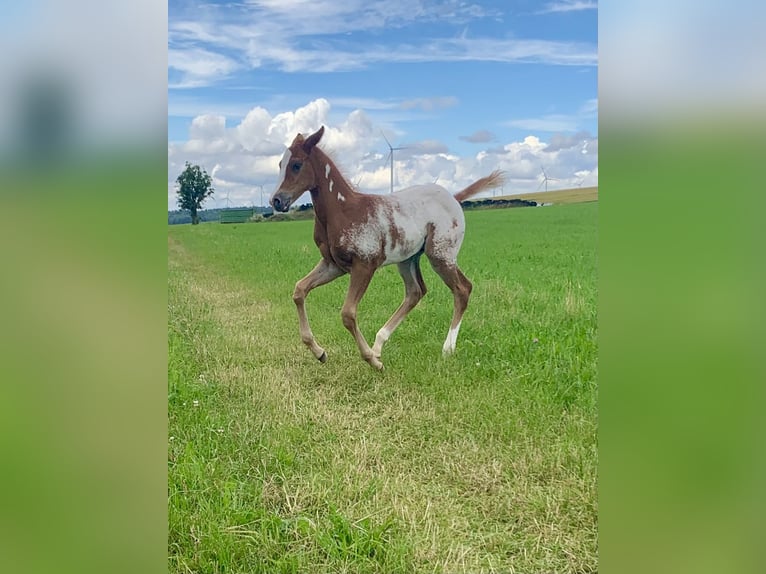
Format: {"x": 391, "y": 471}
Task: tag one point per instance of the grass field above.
{"x": 559, "y": 196}
{"x": 482, "y": 462}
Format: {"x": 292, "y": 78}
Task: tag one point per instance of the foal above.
{"x": 358, "y": 233}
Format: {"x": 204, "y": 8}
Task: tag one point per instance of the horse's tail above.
{"x": 494, "y": 179}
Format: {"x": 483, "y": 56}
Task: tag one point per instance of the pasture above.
{"x": 481, "y": 462}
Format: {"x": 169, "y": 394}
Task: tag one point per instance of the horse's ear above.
{"x": 313, "y": 140}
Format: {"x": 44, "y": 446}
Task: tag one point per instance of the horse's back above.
{"x": 429, "y": 204}
{"x": 431, "y": 189}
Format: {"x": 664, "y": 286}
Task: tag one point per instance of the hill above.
{"x": 558, "y": 196}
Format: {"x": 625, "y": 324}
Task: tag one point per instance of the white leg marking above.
{"x": 380, "y": 340}
{"x": 327, "y": 171}
{"x": 451, "y": 341}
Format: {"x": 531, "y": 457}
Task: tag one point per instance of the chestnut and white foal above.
{"x": 358, "y": 233}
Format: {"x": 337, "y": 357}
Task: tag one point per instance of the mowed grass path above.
{"x": 482, "y": 462}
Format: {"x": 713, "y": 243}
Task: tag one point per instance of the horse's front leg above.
{"x": 323, "y": 273}
{"x": 360, "y": 280}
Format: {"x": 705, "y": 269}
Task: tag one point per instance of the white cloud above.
{"x": 366, "y": 103}
{"x": 569, "y": 6}
{"x": 284, "y": 53}
{"x": 209, "y": 126}
{"x": 308, "y": 17}
{"x": 424, "y": 147}
{"x": 429, "y": 104}
{"x": 514, "y": 50}
{"x": 198, "y": 67}
{"x": 321, "y": 36}
{"x": 549, "y": 123}
{"x": 589, "y": 108}
{"x": 580, "y": 139}
{"x": 309, "y": 59}
{"x": 558, "y": 122}
{"x": 479, "y": 136}
{"x": 245, "y": 156}
{"x": 185, "y": 104}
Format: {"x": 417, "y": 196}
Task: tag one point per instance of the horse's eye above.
{"x": 296, "y": 167}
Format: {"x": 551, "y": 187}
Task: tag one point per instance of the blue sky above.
{"x": 465, "y": 86}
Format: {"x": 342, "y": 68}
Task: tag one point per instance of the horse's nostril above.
{"x": 276, "y": 203}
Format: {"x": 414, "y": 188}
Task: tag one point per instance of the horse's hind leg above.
{"x": 461, "y": 290}
{"x": 414, "y": 289}
{"x": 323, "y": 273}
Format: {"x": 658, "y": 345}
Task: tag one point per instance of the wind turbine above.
{"x": 545, "y": 180}
{"x": 261, "y": 187}
{"x": 391, "y": 155}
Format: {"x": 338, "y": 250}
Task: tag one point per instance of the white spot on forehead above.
{"x": 331, "y": 184}
{"x": 283, "y": 167}
{"x": 327, "y": 171}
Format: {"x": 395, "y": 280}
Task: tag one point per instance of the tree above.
{"x": 194, "y": 186}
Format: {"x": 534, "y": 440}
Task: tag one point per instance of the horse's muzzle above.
{"x": 280, "y": 204}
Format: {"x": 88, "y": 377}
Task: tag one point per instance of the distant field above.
{"x": 483, "y": 462}
{"x": 558, "y": 196}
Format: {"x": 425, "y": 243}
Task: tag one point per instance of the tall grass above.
{"x": 482, "y": 462}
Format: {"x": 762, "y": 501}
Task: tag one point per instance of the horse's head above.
{"x": 296, "y": 173}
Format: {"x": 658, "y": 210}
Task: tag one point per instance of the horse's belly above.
{"x": 404, "y": 245}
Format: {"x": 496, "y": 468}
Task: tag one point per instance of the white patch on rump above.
{"x": 327, "y": 171}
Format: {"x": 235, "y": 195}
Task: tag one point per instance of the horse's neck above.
{"x": 331, "y": 183}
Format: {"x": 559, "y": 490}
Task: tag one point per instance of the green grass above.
{"x": 482, "y": 462}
